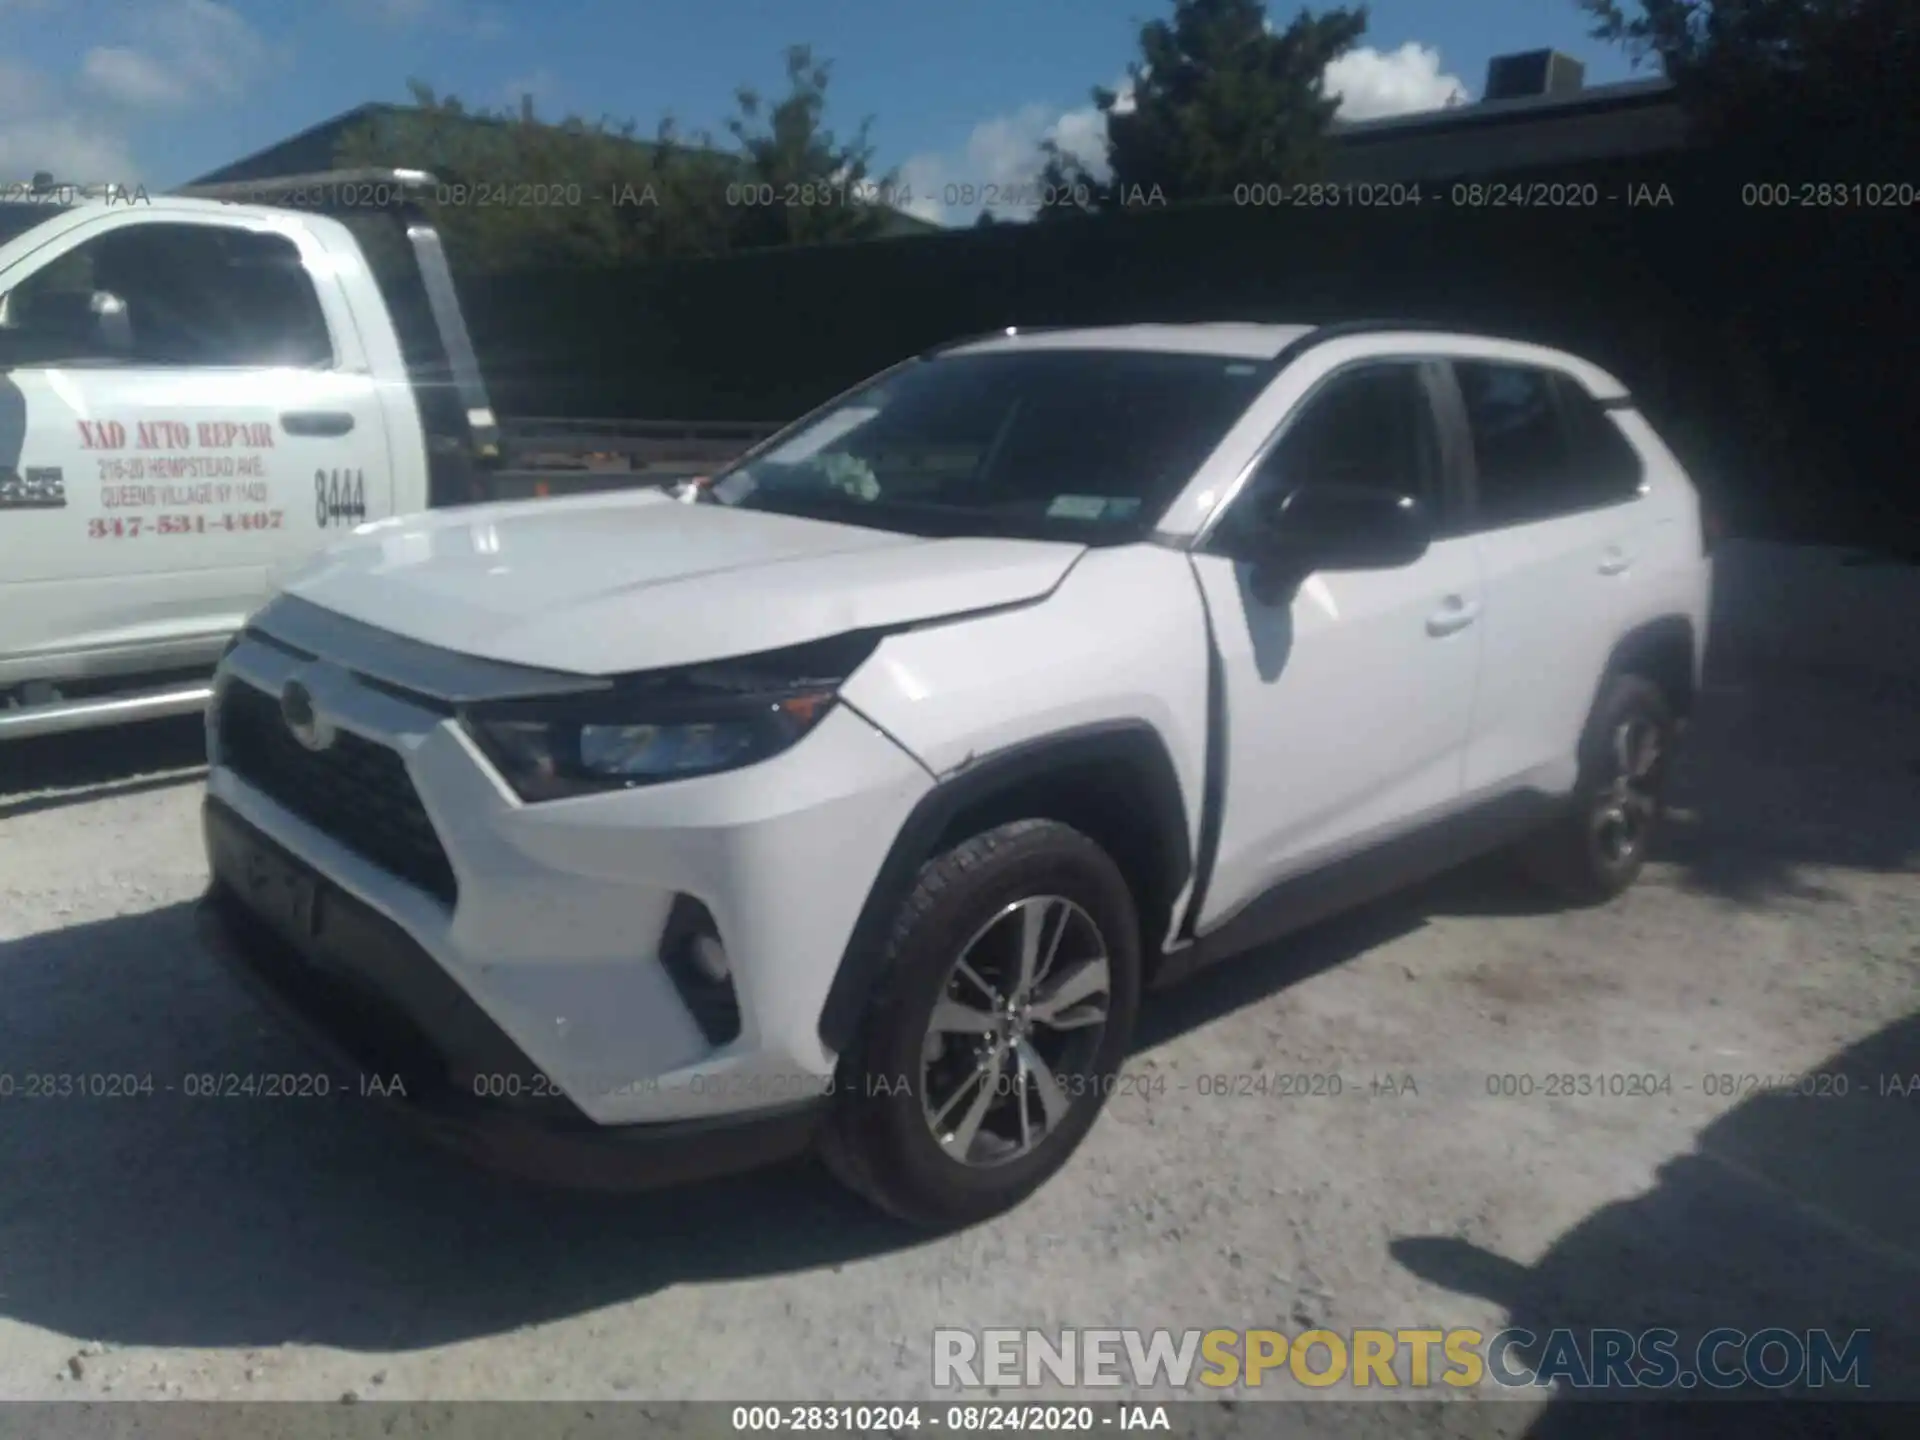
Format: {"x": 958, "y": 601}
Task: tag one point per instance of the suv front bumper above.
{"x": 555, "y": 923}
{"x": 366, "y": 994}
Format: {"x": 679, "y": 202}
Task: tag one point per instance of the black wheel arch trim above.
{"x": 1134, "y": 744}
{"x": 1664, "y": 634}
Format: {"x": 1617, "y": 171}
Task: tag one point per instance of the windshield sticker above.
{"x": 813, "y": 440}
{"x": 1078, "y": 507}
{"x": 1243, "y": 369}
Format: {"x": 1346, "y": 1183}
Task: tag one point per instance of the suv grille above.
{"x": 356, "y": 791}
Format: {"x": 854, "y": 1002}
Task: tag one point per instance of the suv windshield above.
{"x": 1074, "y": 444}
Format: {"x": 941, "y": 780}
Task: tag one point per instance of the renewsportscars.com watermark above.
{"x": 1371, "y": 1359}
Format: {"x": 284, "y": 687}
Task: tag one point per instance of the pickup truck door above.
{"x": 187, "y": 410}
{"x": 1347, "y": 710}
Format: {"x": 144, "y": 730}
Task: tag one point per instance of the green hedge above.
{"x": 1767, "y": 341}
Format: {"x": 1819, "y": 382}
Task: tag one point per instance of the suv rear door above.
{"x": 1559, "y": 525}
{"x": 189, "y": 399}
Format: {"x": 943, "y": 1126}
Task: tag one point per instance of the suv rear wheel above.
{"x": 1598, "y": 850}
{"x": 1012, "y": 984}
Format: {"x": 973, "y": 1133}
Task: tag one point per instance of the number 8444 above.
{"x": 339, "y": 497}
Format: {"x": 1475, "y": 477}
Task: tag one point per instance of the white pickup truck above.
{"x": 198, "y": 392}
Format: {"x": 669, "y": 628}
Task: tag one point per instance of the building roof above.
{"x": 1600, "y": 122}
{"x": 1522, "y": 110}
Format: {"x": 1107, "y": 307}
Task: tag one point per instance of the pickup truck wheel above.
{"x": 1012, "y": 984}
{"x": 1599, "y": 848}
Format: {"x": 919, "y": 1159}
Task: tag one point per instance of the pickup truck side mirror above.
{"x": 1334, "y": 527}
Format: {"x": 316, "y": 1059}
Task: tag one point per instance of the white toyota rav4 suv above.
{"x": 855, "y": 798}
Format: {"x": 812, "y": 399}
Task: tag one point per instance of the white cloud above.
{"x": 130, "y": 77}
{"x": 1374, "y": 83}
{"x": 41, "y": 130}
{"x": 185, "y": 52}
{"x": 1004, "y": 152}
{"x": 479, "y": 21}
{"x": 396, "y": 12}
{"x": 997, "y": 166}
{"x": 70, "y": 146}
{"x": 162, "y": 55}
{"x": 22, "y": 88}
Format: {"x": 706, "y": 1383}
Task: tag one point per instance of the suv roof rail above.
{"x": 1334, "y": 330}
{"x": 1003, "y": 332}
{"x": 1316, "y": 335}
{"x": 1320, "y": 334}
{"x": 276, "y": 189}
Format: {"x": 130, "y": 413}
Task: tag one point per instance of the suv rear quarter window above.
{"x": 1543, "y": 446}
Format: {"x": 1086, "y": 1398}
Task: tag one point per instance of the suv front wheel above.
{"x": 1012, "y": 981}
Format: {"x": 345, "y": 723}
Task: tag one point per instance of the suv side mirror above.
{"x": 1336, "y": 527}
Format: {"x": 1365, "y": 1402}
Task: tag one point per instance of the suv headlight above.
{"x": 669, "y": 725}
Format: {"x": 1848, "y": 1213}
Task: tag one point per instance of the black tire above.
{"x": 1579, "y": 858}
{"x": 878, "y": 1140}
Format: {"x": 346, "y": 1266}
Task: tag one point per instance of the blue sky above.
{"x": 961, "y": 92}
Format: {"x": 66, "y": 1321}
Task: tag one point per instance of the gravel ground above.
{"x": 237, "y": 1249}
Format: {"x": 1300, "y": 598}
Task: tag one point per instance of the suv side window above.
{"x": 174, "y": 295}
{"x": 1606, "y": 467}
{"x": 1371, "y": 424}
{"x": 1542, "y": 446}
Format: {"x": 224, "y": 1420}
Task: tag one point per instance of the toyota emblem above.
{"x": 302, "y": 720}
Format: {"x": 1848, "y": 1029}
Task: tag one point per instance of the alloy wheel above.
{"x": 1623, "y": 819}
{"x": 1010, "y": 1046}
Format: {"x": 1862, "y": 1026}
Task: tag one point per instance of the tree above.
{"x": 518, "y": 191}
{"x": 579, "y": 192}
{"x": 1808, "y": 97}
{"x": 1826, "y": 84}
{"x": 1217, "y": 99}
{"x": 810, "y": 186}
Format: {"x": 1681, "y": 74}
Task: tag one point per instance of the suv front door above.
{"x": 1347, "y": 707}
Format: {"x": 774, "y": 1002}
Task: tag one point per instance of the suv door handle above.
{"x": 1615, "y": 561}
{"x": 322, "y": 423}
{"x": 1456, "y": 614}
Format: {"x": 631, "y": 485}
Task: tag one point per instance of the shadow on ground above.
{"x": 1792, "y": 1211}
{"x": 174, "y": 1221}
{"x": 51, "y": 771}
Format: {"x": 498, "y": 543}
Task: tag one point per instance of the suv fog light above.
{"x": 709, "y": 957}
{"x": 695, "y": 959}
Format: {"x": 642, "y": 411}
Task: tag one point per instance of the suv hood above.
{"x": 606, "y": 584}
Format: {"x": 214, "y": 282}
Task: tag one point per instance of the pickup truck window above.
{"x": 188, "y": 295}
{"x": 1092, "y": 444}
